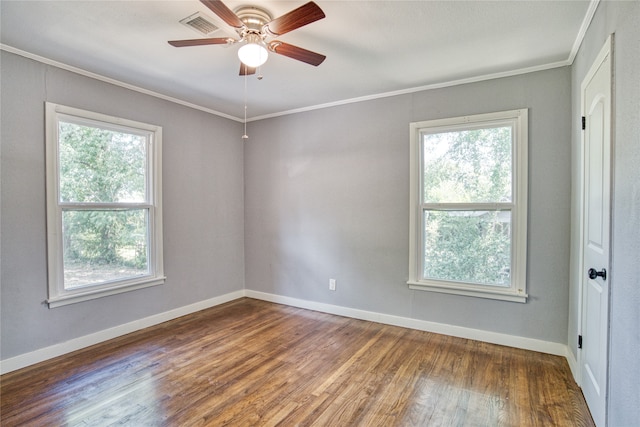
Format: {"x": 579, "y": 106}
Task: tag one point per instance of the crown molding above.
{"x": 115, "y": 82}
{"x": 593, "y": 5}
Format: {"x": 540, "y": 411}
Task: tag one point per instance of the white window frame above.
{"x": 58, "y": 295}
{"x": 517, "y": 290}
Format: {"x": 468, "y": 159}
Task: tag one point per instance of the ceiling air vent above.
{"x": 200, "y": 23}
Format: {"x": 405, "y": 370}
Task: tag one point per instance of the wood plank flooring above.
{"x": 254, "y": 363}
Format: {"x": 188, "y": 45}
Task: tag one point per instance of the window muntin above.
{"x": 104, "y": 213}
{"x": 468, "y": 205}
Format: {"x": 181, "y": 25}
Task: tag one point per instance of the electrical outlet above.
{"x": 332, "y": 284}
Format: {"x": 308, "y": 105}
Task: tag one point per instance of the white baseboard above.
{"x": 56, "y": 350}
{"x": 574, "y": 366}
{"x": 548, "y": 347}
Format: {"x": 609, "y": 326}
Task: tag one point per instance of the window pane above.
{"x": 104, "y": 245}
{"x": 101, "y": 165}
{"x": 468, "y": 246}
{"x": 468, "y": 166}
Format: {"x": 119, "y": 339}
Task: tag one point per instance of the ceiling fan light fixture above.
{"x": 254, "y": 52}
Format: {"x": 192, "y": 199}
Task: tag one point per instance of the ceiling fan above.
{"x": 254, "y": 26}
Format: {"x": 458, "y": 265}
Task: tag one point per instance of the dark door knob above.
{"x": 593, "y": 274}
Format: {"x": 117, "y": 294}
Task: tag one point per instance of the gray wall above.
{"x": 326, "y": 196}
{"x": 623, "y": 19}
{"x": 203, "y": 206}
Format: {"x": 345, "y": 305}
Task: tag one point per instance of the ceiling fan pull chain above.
{"x": 245, "y": 136}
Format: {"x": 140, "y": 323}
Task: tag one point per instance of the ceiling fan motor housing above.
{"x": 254, "y": 20}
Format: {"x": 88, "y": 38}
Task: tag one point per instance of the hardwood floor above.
{"x": 253, "y": 363}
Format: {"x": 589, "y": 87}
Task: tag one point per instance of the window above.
{"x": 104, "y": 207}
{"x": 469, "y": 205}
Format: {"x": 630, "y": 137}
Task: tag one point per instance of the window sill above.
{"x": 469, "y": 291}
{"x": 80, "y": 295}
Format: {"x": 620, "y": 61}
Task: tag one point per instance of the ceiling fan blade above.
{"x": 200, "y": 42}
{"x": 245, "y": 70}
{"x": 296, "y": 52}
{"x": 305, "y": 14}
{"x": 226, "y": 14}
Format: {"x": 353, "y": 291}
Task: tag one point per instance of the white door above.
{"x": 596, "y": 105}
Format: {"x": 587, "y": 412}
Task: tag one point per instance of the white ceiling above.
{"x": 372, "y": 47}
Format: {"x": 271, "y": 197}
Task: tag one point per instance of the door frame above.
{"x": 607, "y": 49}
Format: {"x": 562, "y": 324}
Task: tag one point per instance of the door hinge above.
{"x": 584, "y": 122}
{"x": 579, "y": 341}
